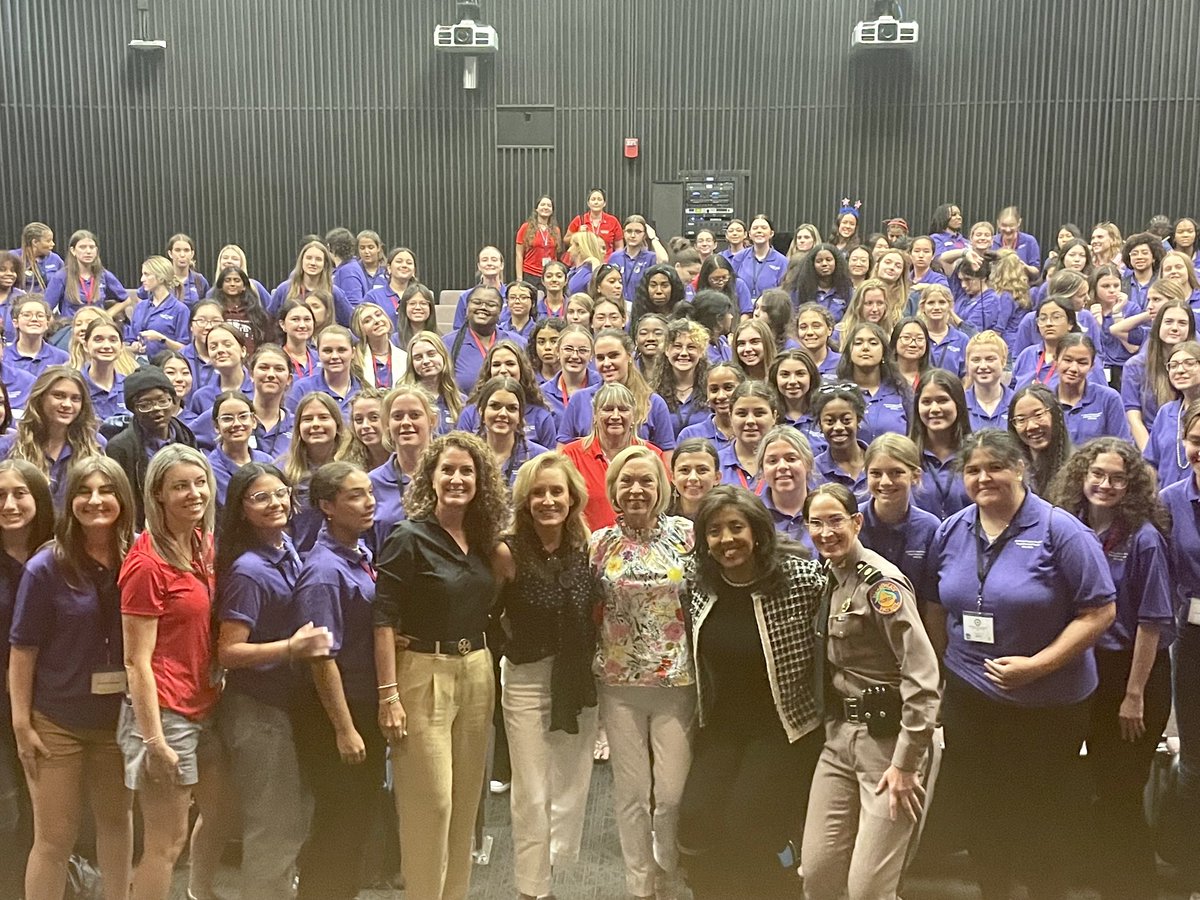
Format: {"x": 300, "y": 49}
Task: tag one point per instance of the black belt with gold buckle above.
{"x": 455, "y": 646}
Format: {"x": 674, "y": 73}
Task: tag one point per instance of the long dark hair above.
{"x": 802, "y": 282}
{"x": 264, "y": 328}
{"x": 951, "y": 384}
{"x": 642, "y": 305}
{"x": 1049, "y": 461}
{"x": 235, "y": 535}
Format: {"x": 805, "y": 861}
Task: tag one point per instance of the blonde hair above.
{"x": 988, "y": 338}
{"x": 1009, "y": 275}
{"x": 574, "y": 530}
{"x": 126, "y": 363}
{"x": 586, "y": 245}
{"x": 32, "y": 429}
{"x": 296, "y": 289}
{"x": 164, "y": 270}
{"x": 897, "y": 447}
{"x": 447, "y": 387}
{"x": 296, "y": 464}
{"x": 426, "y": 399}
{"x": 165, "y": 544}
{"x": 241, "y": 260}
{"x": 853, "y": 317}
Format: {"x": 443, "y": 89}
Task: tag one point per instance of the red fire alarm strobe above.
{"x": 631, "y": 148}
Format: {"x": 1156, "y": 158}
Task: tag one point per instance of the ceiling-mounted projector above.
{"x": 887, "y": 29}
{"x": 467, "y": 35}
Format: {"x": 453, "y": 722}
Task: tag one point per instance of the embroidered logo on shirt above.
{"x": 1027, "y": 545}
{"x": 886, "y": 597}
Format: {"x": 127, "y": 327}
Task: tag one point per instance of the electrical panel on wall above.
{"x": 710, "y": 200}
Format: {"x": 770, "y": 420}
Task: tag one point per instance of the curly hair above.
{"x": 662, "y": 376}
{"x": 33, "y": 430}
{"x": 488, "y": 512}
{"x": 1046, "y": 464}
{"x": 1141, "y": 502}
{"x": 643, "y": 305}
{"x": 1009, "y": 276}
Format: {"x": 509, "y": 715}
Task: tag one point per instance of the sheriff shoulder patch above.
{"x": 886, "y": 597}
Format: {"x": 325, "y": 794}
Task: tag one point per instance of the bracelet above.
{"x": 394, "y": 698}
{"x": 146, "y": 742}
{"x": 384, "y": 687}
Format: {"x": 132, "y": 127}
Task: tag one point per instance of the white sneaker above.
{"x": 499, "y": 787}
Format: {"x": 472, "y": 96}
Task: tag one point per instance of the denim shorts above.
{"x": 190, "y": 739}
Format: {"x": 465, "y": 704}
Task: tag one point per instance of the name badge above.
{"x": 110, "y": 681}
{"x": 978, "y": 628}
{"x": 1194, "y": 611}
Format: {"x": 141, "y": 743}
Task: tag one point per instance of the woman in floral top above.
{"x": 647, "y": 684}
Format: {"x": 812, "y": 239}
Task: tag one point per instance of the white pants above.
{"x": 638, "y": 720}
{"x": 551, "y": 774}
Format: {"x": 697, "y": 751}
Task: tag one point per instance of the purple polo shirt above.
{"x": 1182, "y": 500}
{"x": 258, "y": 591}
{"x": 1027, "y": 334}
{"x": 552, "y": 392}
{"x": 106, "y": 403}
{"x": 389, "y": 485}
{"x": 77, "y": 631}
{"x": 807, "y": 426}
{"x": 1044, "y": 572}
{"x": 1029, "y": 366}
{"x": 1112, "y": 351}
{"x": 940, "y": 491}
{"x": 342, "y": 310}
{"x": 1135, "y": 392}
{"x": 632, "y": 268}
{"x": 793, "y": 527}
{"x": 57, "y": 467}
{"x": 18, "y": 382}
{"x": 827, "y": 368}
{"x": 981, "y": 418}
{"x": 307, "y": 522}
{"x": 203, "y": 374}
{"x": 887, "y": 411}
{"x": 10, "y": 330}
{"x": 11, "y": 573}
{"x": 1027, "y": 249}
{"x": 445, "y": 420}
{"x": 1137, "y": 292}
{"x": 1099, "y": 414}
{"x": 336, "y": 589}
{"x": 732, "y": 471}
{"x": 832, "y": 301}
{"x": 194, "y": 286}
{"x": 692, "y": 411}
{"x": 35, "y": 365}
{"x": 826, "y": 470}
{"x": 950, "y": 353}
{"x": 48, "y": 266}
{"x": 707, "y": 429}
{"x": 576, "y": 421}
{"x": 1140, "y": 569}
{"x": 1164, "y": 450}
{"x": 169, "y": 318}
{"x": 352, "y": 279}
{"x": 578, "y": 279}
{"x": 202, "y": 400}
{"x": 460, "y": 311}
{"x": 317, "y": 382}
{"x": 468, "y": 359}
{"x": 540, "y": 425}
{"x": 947, "y": 240}
{"x": 275, "y": 441}
{"x": 720, "y": 351}
{"x": 905, "y": 544}
{"x": 109, "y": 290}
{"x": 759, "y": 274}
{"x": 988, "y": 310}
{"x": 223, "y": 468}
{"x": 389, "y": 301}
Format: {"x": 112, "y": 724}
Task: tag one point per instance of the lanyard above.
{"x": 758, "y": 489}
{"x": 478, "y": 343}
{"x": 943, "y": 488}
{"x": 383, "y": 371}
{"x": 562, "y": 387}
{"x": 552, "y": 314}
{"x": 985, "y": 559}
{"x": 364, "y": 563}
{"x": 87, "y": 287}
{"x": 302, "y": 369}
{"x": 1041, "y": 361}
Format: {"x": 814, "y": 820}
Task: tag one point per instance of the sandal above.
{"x": 600, "y": 750}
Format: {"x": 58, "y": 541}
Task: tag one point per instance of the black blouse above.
{"x": 428, "y": 588}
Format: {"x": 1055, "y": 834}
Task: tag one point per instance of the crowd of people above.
{"x": 748, "y": 524}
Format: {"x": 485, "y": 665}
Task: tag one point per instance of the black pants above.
{"x": 345, "y": 800}
{"x": 1123, "y": 864}
{"x": 745, "y": 799}
{"x": 1011, "y": 771}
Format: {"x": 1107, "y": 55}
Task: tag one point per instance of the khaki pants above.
{"x": 851, "y": 847}
{"x": 440, "y": 767}
{"x": 638, "y": 720}
{"x": 551, "y": 774}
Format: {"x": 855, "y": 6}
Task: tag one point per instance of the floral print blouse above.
{"x": 643, "y": 634}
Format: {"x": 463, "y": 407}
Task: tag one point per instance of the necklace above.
{"x": 737, "y": 584}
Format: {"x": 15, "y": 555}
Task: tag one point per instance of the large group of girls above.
{"x": 751, "y": 525}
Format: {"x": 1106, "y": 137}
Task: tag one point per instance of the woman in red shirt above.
{"x": 604, "y": 225}
{"x": 539, "y": 242}
{"x": 166, "y": 728}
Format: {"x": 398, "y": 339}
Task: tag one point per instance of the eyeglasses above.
{"x": 833, "y": 523}
{"x": 417, "y": 302}
{"x": 1183, "y": 365}
{"x": 263, "y": 498}
{"x": 148, "y": 406}
{"x": 241, "y": 418}
{"x": 201, "y": 320}
{"x": 1099, "y": 476}
{"x": 1050, "y": 319}
{"x": 1022, "y": 421}
{"x": 911, "y": 339}
{"x": 32, "y": 316}
{"x": 489, "y": 305}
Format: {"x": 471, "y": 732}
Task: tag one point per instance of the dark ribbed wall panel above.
{"x": 267, "y": 119}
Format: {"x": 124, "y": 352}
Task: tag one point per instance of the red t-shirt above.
{"x": 181, "y": 601}
{"x": 593, "y": 466}
{"x": 542, "y": 250}
{"x": 609, "y": 231}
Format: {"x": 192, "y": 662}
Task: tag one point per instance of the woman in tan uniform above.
{"x": 881, "y": 699}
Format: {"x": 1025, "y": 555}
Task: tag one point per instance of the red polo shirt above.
{"x": 609, "y": 231}
{"x": 593, "y": 466}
